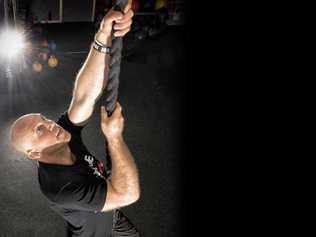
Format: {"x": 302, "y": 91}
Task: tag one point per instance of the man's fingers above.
{"x": 128, "y": 6}
{"x": 104, "y": 114}
{"x": 126, "y": 17}
{"x": 121, "y": 33}
{"x": 114, "y": 16}
{"x": 118, "y": 110}
{"x": 122, "y": 26}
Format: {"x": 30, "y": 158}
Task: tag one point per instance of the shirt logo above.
{"x": 91, "y": 161}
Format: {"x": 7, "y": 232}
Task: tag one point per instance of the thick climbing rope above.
{"x": 111, "y": 90}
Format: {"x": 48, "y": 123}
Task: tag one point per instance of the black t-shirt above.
{"x": 77, "y": 192}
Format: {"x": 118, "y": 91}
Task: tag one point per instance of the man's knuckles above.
{"x": 128, "y": 6}
{"x": 126, "y": 17}
{"x": 113, "y": 16}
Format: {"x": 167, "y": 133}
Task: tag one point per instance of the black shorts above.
{"x": 122, "y": 226}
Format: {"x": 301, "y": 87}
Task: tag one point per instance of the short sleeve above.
{"x": 65, "y": 122}
{"x": 76, "y": 144}
{"x": 87, "y": 196}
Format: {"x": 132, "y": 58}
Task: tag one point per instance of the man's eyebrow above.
{"x": 32, "y": 128}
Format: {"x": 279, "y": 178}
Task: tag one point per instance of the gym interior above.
{"x": 57, "y": 36}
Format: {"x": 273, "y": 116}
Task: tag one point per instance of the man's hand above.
{"x": 112, "y": 127}
{"x": 120, "y": 22}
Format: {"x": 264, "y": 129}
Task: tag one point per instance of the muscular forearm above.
{"x": 90, "y": 82}
{"x": 90, "y": 79}
{"x": 124, "y": 171}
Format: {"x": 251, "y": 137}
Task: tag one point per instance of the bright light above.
{"x": 11, "y": 43}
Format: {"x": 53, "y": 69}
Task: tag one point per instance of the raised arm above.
{"x": 123, "y": 188}
{"x": 93, "y": 75}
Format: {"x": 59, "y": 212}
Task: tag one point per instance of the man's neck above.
{"x": 60, "y": 156}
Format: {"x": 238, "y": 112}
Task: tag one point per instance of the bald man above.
{"x": 72, "y": 179}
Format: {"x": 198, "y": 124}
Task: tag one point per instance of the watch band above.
{"x": 100, "y": 47}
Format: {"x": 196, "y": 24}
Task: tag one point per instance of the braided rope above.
{"x": 111, "y": 90}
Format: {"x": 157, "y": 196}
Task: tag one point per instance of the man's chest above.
{"x": 89, "y": 164}
{"x": 86, "y": 163}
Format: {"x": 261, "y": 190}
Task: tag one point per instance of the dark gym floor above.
{"x": 151, "y": 93}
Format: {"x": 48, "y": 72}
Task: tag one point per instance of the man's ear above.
{"x": 33, "y": 154}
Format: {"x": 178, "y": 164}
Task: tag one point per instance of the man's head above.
{"x": 33, "y": 134}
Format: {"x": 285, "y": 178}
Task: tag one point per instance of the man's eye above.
{"x": 39, "y": 130}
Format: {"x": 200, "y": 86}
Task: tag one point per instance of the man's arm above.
{"x": 123, "y": 188}
{"x": 90, "y": 79}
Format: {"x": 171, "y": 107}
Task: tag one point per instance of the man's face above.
{"x": 40, "y": 133}
{"x": 46, "y": 133}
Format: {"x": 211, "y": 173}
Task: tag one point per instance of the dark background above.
{"x": 153, "y": 96}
